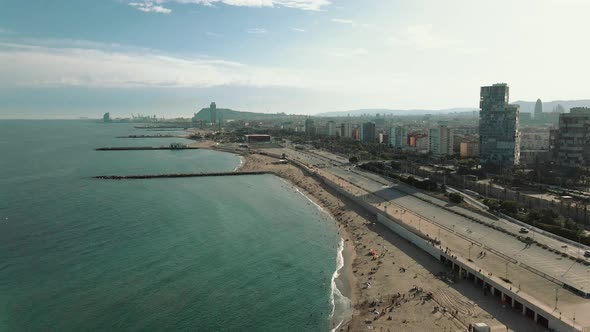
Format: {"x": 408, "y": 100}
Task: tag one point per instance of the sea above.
{"x": 243, "y": 253}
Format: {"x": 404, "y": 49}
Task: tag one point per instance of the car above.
{"x": 587, "y": 253}
{"x": 523, "y": 230}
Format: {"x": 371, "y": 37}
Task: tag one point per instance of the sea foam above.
{"x": 341, "y": 305}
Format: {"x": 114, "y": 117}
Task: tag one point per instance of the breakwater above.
{"x": 128, "y": 148}
{"x": 185, "y": 126}
{"x": 152, "y": 136}
{"x": 175, "y": 175}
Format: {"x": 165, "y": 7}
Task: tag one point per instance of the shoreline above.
{"x": 392, "y": 286}
{"x": 343, "y": 281}
{"x": 344, "y": 284}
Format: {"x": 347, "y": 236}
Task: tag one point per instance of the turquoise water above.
{"x": 205, "y": 254}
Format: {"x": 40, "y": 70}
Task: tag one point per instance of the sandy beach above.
{"x": 393, "y": 286}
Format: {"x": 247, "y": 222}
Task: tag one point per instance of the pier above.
{"x": 137, "y": 148}
{"x": 179, "y": 126}
{"x": 163, "y": 129}
{"x": 153, "y": 136}
{"x": 176, "y": 175}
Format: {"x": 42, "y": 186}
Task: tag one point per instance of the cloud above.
{"x": 149, "y": 7}
{"x": 342, "y": 21}
{"x": 41, "y": 66}
{"x": 346, "y": 52}
{"x": 213, "y": 34}
{"x": 298, "y": 29}
{"x": 423, "y": 37}
{"x": 257, "y": 30}
{"x": 313, "y": 5}
{"x": 351, "y": 23}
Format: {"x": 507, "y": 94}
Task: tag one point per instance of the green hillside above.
{"x": 228, "y": 114}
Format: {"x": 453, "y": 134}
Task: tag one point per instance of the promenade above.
{"x": 488, "y": 243}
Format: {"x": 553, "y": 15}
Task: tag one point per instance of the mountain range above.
{"x": 529, "y": 106}
{"x": 525, "y": 106}
{"x": 396, "y": 112}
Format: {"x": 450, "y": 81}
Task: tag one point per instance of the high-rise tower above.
{"x": 213, "y": 112}
{"x": 499, "y": 136}
{"x": 368, "y": 132}
{"x": 538, "y": 108}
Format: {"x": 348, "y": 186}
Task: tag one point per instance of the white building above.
{"x": 440, "y": 141}
{"x": 537, "y": 139}
{"x": 331, "y": 128}
{"x": 346, "y": 130}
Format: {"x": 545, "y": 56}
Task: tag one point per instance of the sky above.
{"x": 72, "y": 58}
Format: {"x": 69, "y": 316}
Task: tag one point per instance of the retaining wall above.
{"x": 540, "y": 310}
{"x": 528, "y": 302}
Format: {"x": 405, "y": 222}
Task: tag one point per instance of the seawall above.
{"x": 506, "y": 293}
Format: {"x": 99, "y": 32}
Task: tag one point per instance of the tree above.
{"x": 353, "y": 160}
{"x": 509, "y": 207}
{"x": 455, "y": 198}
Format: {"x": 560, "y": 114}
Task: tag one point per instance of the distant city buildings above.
{"x": 384, "y": 137}
{"x": 571, "y": 142}
{"x": 331, "y": 128}
{"x": 418, "y": 141}
{"x": 368, "y": 132}
{"x": 422, "y": 143}
{"x": 466, "y": 130}
{"x": 536, "y": 138}
{"x": 469, "y": 150}
{"x": 356, "y": 134}
{"x": 538, "y": 108}
{"x": 498, "y": 127}
{"x": 525, "y": 118}
{"x": 559, "y": 109}
{"x": 310, "y": 127}
{"x": 213, "y": 112}
{"x": 440, "y": 141}
{"x": 398, "y": 137}
{"x": 346, "y": 130}
{"x": 107, "y": 117}
{"x": 534, "y": 157}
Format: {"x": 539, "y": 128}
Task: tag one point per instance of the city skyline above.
{"x": 302, "y": 57}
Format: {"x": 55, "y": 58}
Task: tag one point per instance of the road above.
{"x": 407, "y": 197}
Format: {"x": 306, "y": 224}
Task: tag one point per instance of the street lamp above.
{"x": 579, "y": 244}
{"x": 506, "y": 270}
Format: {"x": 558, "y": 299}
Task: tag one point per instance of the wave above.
{"x": 241, "y": 164}
{"x": 341, "y": 305}
{"x": 311, "y": 200}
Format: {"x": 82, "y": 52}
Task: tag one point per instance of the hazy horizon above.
{"x": 72, "y": 59}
